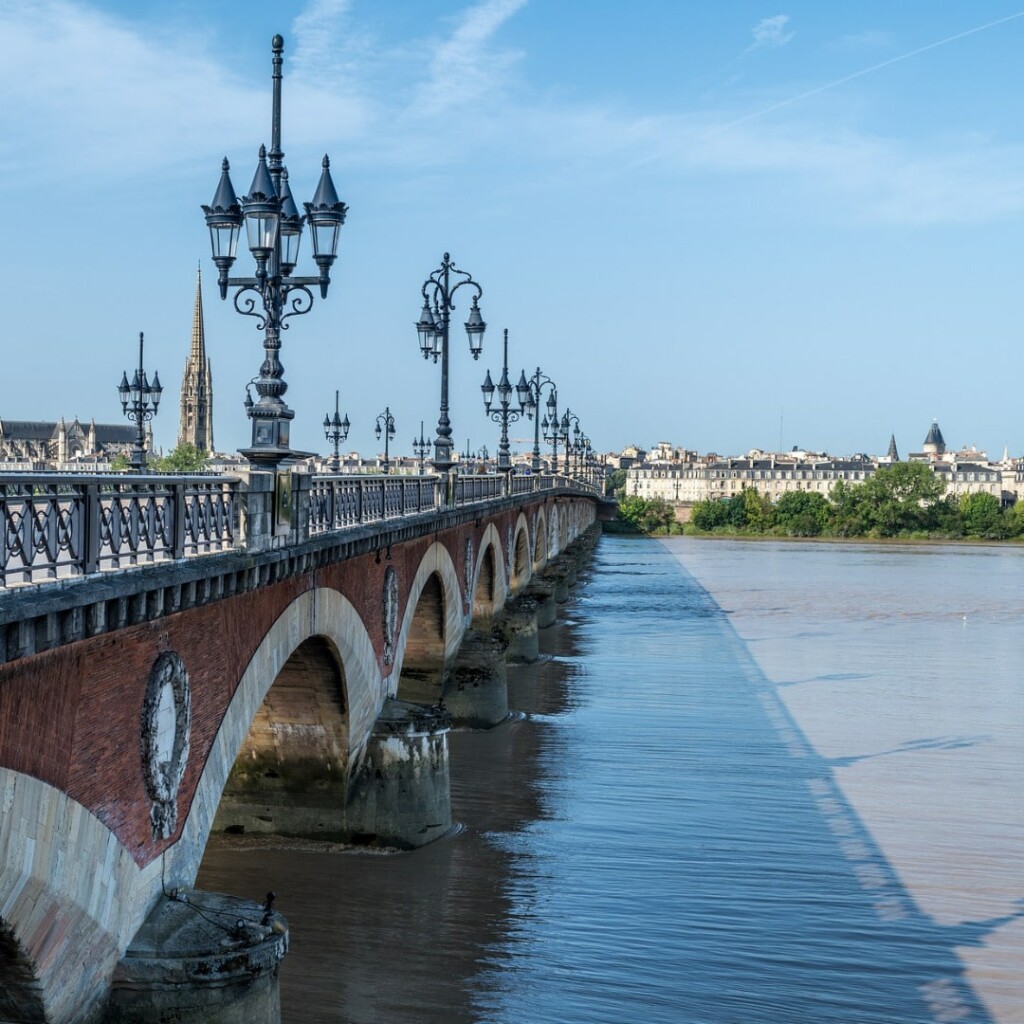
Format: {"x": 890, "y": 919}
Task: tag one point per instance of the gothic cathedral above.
{"x": 196, "y": 423}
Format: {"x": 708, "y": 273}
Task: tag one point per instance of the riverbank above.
{"x": 627, "y": 530}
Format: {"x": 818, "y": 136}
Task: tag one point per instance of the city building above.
{"x": 682, "y": 477}
{"x": 33, "y": 445}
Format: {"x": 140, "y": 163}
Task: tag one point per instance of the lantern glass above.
{"x": 261, "y": 225}
{"x": 325, "y": 227}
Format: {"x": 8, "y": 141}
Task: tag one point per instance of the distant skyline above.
{"x": 701, "y": 220}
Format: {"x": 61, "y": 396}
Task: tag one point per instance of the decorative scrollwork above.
{"x": 166, "y": 728}
{"x": 301, "y": 303}
{"x": 247, "y": 306}
{"x": 390, "y": 610}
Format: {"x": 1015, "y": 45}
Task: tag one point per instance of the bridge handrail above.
{"x": 58, "y": 525}
{"x": 341, "y": 500}
{"x": 67, "y": 524}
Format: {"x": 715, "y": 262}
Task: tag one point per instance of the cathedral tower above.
{"x": 196, "y": 423}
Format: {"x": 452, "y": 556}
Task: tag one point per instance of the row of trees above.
{"x": 903, "y": 500}
{"x": 185, "y": 458}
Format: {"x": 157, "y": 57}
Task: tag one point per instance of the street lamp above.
{"x": 420, "y": 447}
{"x": 386, "y": 426}
{"x": 336, "y": 431}
{"x": 536, "y": 384}
{"x": 505, "y": 414}
{"x": 432, "y": 328}
{"x": 469, "y": 455}
{"x": 568, "y": 419}
{"x": 139, "y": 402}
{"x": 552, "y": 429}
{"x": 273, "y": 230}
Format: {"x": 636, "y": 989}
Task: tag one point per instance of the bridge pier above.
{"x": 542, "y": 589}
{"x": 201, "y": 958}
{"x": 400, "y": 796}
{"x": 517, "y": 627}
{"x": 476, "y": 689}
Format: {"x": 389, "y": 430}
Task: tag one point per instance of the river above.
{"x": 755, "y": 783}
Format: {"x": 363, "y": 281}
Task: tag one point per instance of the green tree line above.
{"x": 903, "y": 500}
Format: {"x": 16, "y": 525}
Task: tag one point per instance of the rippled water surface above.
{"x": 757, "y": 783}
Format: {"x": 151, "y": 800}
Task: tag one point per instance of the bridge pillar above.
{"x": 558, "y": 572}
{"x": 400, "y": 795}
{"x": 517, "y": 626}
{"x": 476, "y": 688}
{"x": 542, "y": 590}
{"x": 201, "y": 958}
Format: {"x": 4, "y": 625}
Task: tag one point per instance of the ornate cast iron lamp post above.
{"x": 537, "y": 383}
{"x": 274, "y": 230}
{"x": 420, "y": 447}
{"x": 336, "y": 431}
{"x": 469, "y": 455}
{"x": 552, "y": 429}
{"x": 386, "y": 426}
{"x": 568, "y": 418}
{"x": 432, "y": 328}
{"x": 505, "y": 413}
{"x": 139, "y": 402}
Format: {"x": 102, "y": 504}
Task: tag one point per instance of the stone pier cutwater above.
{"x": 202, "y": 958}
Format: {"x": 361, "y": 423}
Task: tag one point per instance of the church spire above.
{"x": 892, "y": 454}
{"x": 196, "y": 423}
{"x": 198, "y": 351}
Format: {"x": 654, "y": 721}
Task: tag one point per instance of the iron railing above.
{"x": 56, "y": 525}
{"x": 339, "y": 501}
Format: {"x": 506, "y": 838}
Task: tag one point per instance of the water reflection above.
{"x": 657, "y": 841}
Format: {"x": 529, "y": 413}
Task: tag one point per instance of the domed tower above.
{"x": 934, "y": 443}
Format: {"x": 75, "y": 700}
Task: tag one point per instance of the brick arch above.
{"x": 520, "y": 563}
{"x": 490, "y": 556}
{"x": 319, "y": 612}
{"x": 540, "y": 539}
{"x": 436, "y": 570}
{"x": 64, "y": 970}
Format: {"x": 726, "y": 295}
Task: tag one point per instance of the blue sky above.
{"x": 715, "y": 224}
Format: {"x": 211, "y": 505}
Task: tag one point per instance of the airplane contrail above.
{"x": 865, "y": 71}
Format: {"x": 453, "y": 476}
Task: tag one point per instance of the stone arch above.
{"x": 320, "y": 612}
{"x": 553, "y": 533}
{"x": 490, "y": 585}
{"x": 563, "y": 528}
{"x": 520, "y": 563}
{"x": 62, "y": 974}
{"x": 291, "y": 773}
{"x": 432, "y": 628}
{"x": 540, "y": 539}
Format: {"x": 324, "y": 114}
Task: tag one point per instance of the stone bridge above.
{"x": 301, "y": 684}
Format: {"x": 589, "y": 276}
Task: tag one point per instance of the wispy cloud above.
{"x": 154, "y": 90}
{"x": 464, "y": 66}
{"x": 770, "y": 33}
{"x": 870, "y": 39}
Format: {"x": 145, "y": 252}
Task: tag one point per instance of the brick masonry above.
{"x": 77, "y": 846}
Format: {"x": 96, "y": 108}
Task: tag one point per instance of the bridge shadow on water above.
{"x": 654, "y": 842}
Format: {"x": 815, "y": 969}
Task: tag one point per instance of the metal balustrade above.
{"x": 57, "y": 525}
{"x": 339, "y": 501}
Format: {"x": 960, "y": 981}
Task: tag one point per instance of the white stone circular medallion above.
{"x": 166, "y": 725}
